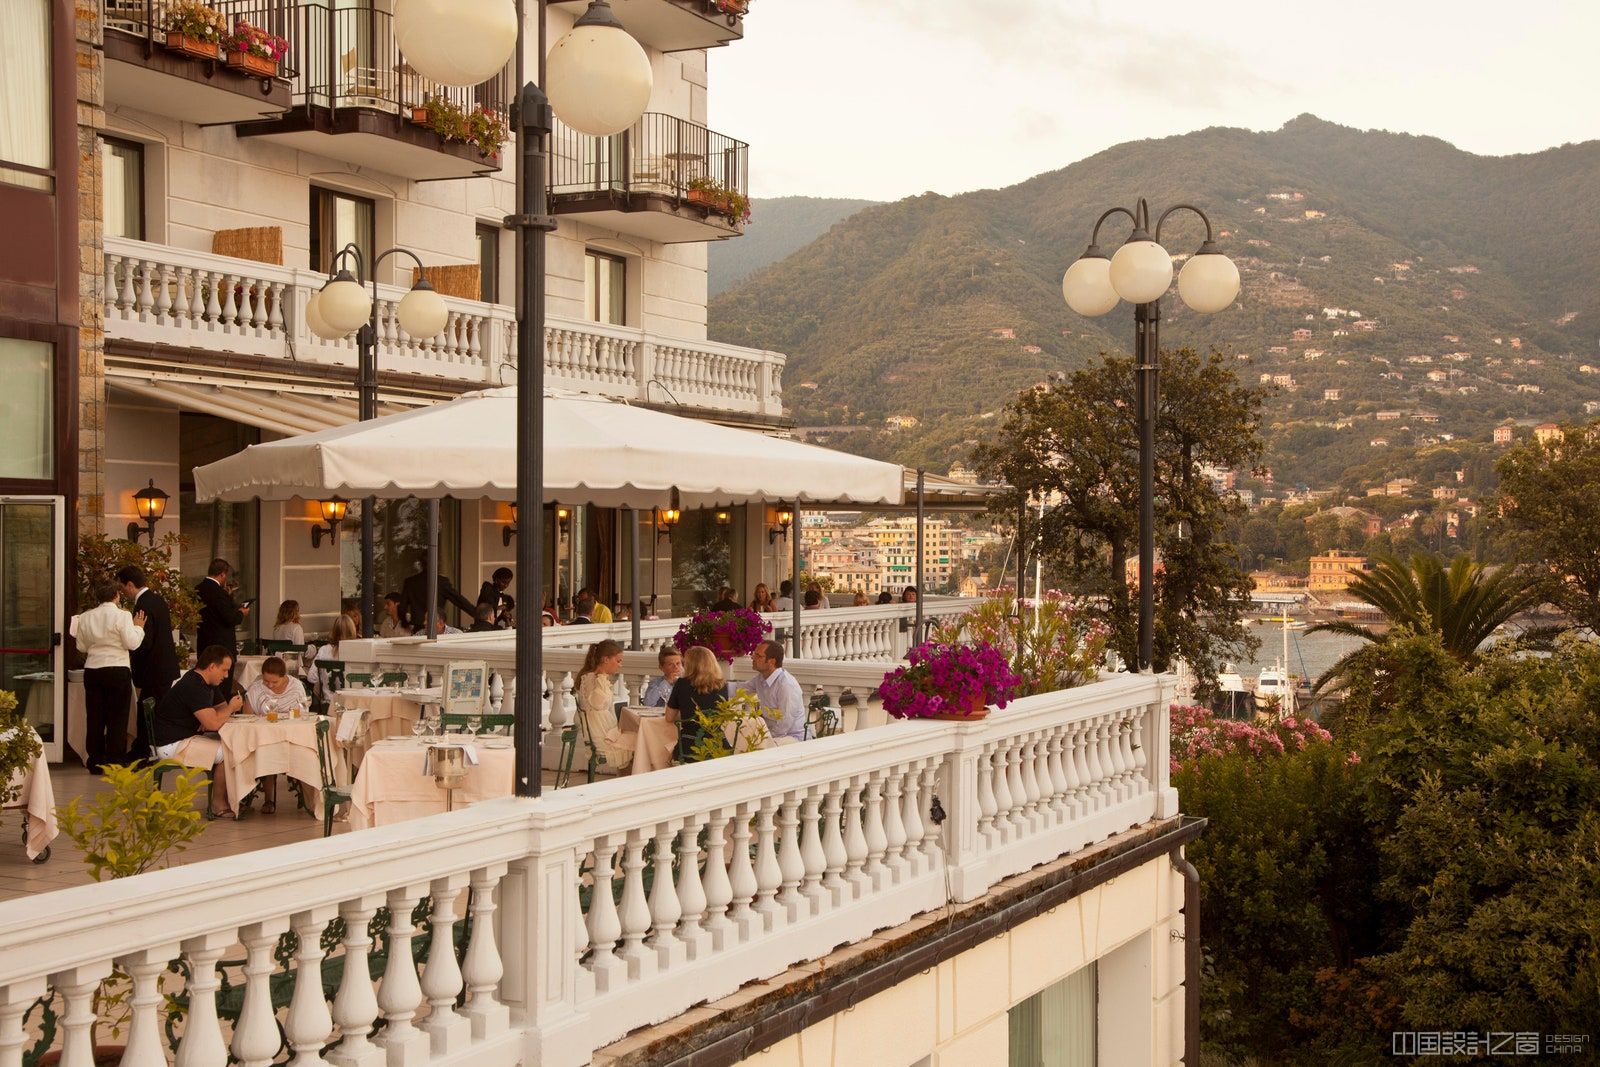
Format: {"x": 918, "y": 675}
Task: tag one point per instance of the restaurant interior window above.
{"x": 489, "y": 264}
{"x": 219, "y": 528}
{"x": 26, "y": 150}
{"x": 400, "y": 544}
{"x": 1056, "y": 1026}
{"x": 338, "y": 219}
{"x": 122, "y": 178}
{"x": 706, "y": 555}
{"x": 27, "y": 409}
{"x": 605, "y": 287}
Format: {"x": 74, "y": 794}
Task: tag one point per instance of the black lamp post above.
{"x": 1140, "y": 272}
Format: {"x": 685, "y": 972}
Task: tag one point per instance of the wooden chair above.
{"x": 332, "y": 794}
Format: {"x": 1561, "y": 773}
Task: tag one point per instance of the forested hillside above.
{"x": 779, "y": 226}
{"x": 1454, "y": 289}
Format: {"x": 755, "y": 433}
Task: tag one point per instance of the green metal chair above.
{"x": 331, "y": 674}
{"x": 821, "y": 721}
{"x": 393, "y": 678}
{"x": 488, "y": 720}
{"x": 278, "y": 648}
{"x": 359, "y": 680}
{"x": 332, "y": 794}
{"x": 596, "y": 761}
{"x": 147, "y": 710}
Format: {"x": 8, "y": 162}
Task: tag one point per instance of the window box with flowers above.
{"x": 730, "y": 203}
{"x": 954, "y": 682}
{"x": 480, "y": 127}
{"x": 254, "y": 50}
{"x": 194, "y": 29}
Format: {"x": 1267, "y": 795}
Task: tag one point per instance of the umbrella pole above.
{"x": 633, "y": 579}
{"x": 794, "y": 600}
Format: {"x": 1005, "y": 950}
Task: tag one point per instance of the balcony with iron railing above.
{"x": 676, "y": 25}
{"x": 666, "y": 179}
{"x": 356, "y": 99}
{"x": 149, "y": 69}
{"x": 161, "y": 298}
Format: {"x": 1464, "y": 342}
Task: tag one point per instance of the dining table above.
{"x": 255, "y": 747}
{"x": 394, "y": 785}
{"x": 390, "y": 710}
{"x": 36, "y": 799}
{"x": 658, "y": 738}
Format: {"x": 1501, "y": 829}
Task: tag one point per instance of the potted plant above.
{"x": 100, "y": 557}
{"x": 1052, "y": 642}
{"x": 254, "y": 50}
{"x": 729, "y": 634}
{"x": 709, "y": 192}
{"x": 194, "y": 29}
{"x": 744, "y": 713}
{"x": 486, "y": 129}
{"x": 732, "y": 7}
{"x": 948, "y": 681}
{"x": 129, "y": 829}
{"x": 19, "y": 747}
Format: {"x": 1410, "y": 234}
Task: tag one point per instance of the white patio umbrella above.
{"x": 596, "y": 451}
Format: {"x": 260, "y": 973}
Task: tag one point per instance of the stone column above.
{"x": 91, "y": 379}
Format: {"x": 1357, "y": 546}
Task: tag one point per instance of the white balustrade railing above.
{"x": 160, "y": 295}
{"x": 570, "y": 920}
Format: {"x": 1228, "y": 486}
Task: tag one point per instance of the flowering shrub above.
{"x": 1197, "y": 733}
{"x": 947, "y": 680}
{"x": 1053, "y": 643}
{"x": 101, "y": 557}
{"x": 731, "y": 203}
{"x": 19, "y": 747}
{"x": 253, "y": 41}
{"x": 727, "y": 633}
{"x": 192, "y": 19}
{"x": 481, "y": 127}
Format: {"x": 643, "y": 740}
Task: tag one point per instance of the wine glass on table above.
{"x": 474, "y": 724}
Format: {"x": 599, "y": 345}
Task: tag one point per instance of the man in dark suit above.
{"x": 414, "y": 600}
{"x": 155, "y": 661}
{"x": 219, "y": 615}
{"x": 494, "y": 592}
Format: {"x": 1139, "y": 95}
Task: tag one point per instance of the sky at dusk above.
{"x": 888, "y": 98}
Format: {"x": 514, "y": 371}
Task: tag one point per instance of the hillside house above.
{"x": 1314, "y": 353}
{"x": 1284, "y": 381}
{"x": 1334, "y": 571}
{"x": 1032, "y": 350}
{"x": 1378, "y": 442}
{"x": 1591, "y": 407}
{"x": 901, "y": 422}
{"x": 1546, "y": 432}
{"x": 1392, "y": 376}
{"x": 1313, "y": 213}
{"x": 1427, "y": 416}
{"x": 1332, "y": 394}
{"x": 1452, "y": 338}
{"x": 1290, "y": 196}
{"x": 1258, "y": 243}
{"x": 1279, "y": 350}
{"x": 1516, "y": 342}
{"x": 1586, "y": 368}
{"x": 1466, "y": 390}
{"x": 1341, "y": 332}
{"x": 1004, "y": 333}
{"x": 1528, "y": 387}
{"x": 1438, "y": 375}
{"x": 1365, "y": 325}
{"x": 1389, "y": 416}
{"x": 1399, "y": 486}
{"x": 1302, "y": 334}
{"x": 1445, "y": 492}
{"x": 1465, "y": 268}
{"x": 1419, "y": 360}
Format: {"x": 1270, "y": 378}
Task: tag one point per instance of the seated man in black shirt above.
{"x": 199, "y": 703}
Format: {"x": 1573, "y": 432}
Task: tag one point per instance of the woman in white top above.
{"x": 596, "y": 703}
{"x": 342, "y": 628}
{"x": 288, "y": 626}
{"x": 105, "y": 635}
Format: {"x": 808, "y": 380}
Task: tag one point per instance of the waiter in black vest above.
{"x": 155, "y": 661}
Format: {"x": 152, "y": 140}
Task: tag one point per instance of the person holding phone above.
{"x": 219, "y": 615}
{"x": 189, "y": 714}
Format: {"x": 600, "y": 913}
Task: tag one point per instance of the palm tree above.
{"x": 1464, "y": 604}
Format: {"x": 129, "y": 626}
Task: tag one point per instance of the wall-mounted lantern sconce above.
{"x": 508, "y": 532}
{"x": 563, "y": 519}
{"x": 333, "y": 512}
{"x": 724, "y": 517}
{"x": 666, "y": 519}
{"x": 149, "y": 504}
{"x": 785, "y": 519}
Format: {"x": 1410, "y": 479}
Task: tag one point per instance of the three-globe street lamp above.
{"x": 599, "y": 81}
{"x": 1140, "y": 272}
{"x": 342, "y": 306}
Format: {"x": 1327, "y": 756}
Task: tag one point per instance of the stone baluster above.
{"x": 1038, "y": 790}
{"x": 742, "y": 877}
{"x": 202, "y": 1044}
{"x": 255, "y": 1035}
{"x": 146, "y": 1048}
{"x": 717, "y": 886}
{"x": 916, "y": 858}
{"x": 790, "y": 862}
{"x": 1060, "y": 786}
{"x": 894, "y": 827}
{"x": 605, "y": 927}
{"x": 932, "y": 842}
{"x": 1083, "y": 797}
{"x": 1045, "y": 812}
{"x": 691, "y": 890}
{"x": 834, "y": 854}
{"x": 309, "y": 1024}
{"x": 999, "y": 762}
{"x": 482, "y": 967}
{"x": 769, "y": 875}
{"x": 1141, "y": 756}
{"x": 355, "y": 1006}
{"x": 441, "y": 978}
{"x": 635, "y": 913}
{"x": 1097, "y": 771}
{"x": 569, "y": 701}
{"x": 1019, "y": 790}
{"x": 116, "y": 304}
{"x": 277, "y": 325}
{"x": 15, "y": 1001}
{"x": 812, "y": 856}
{"x": 146, "y": 297}
{"x": 213, "y": 309}
{"x": 163, "y": 292}
{"x": 77, "y": 988}
{"x": 877, "y": 839}
{"x": 986, "y": 798}
{"x": 400, "y": 994}
{"x": 857, "y": 880}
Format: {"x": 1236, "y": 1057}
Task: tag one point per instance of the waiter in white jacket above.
{"x": 105, "y": 635}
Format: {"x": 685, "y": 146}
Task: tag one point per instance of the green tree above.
{"x": 1074, "y": 443}
{"x": 1550, "y": 507}
{"x": 1464, "y": 603}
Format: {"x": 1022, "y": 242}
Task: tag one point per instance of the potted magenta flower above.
{"x": 254, "y": 50}
{"x": 948, "y": 681}
{"x": 727, "y": 633}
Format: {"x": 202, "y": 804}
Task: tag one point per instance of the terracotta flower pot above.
{"x": 976, "y": 710}
{"x": 260, "y": 66}
{"x": 419, "y": 115}
{"x": 192, "y": 46}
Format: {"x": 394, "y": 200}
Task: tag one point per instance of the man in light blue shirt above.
{"x": 670, "y": 660}
{"x": 777, "y": 692}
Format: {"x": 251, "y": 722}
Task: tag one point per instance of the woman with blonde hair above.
{"x": 763, "y": 600}
{"x": 288, "y": 627}
{"x": 701, "y": 686}
{"x": 597, "y": 704}
{"x": 343, "y": 628}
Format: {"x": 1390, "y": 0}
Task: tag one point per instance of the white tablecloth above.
{"x": 78, "y": 719}
{"x": 391, "y": 786}
{"x": 253, "y": 748}
{"x": 390, "y": 713}
{"x": 657, "y": 738}
{"x": 37, "y": 801}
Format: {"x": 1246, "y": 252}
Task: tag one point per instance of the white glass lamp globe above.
{"x": 343, "y": 304}
{"x": 315, "y": 322}
{"x": 456, "y": 42}
{"x": 597, "y": 76}
{"x": 1209, "y": 281}
{"x": 1141, "y": 270}
{"x": 422, "y": 312}
{"x": 1087, "y": 284}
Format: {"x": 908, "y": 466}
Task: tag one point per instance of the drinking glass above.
{"x": 474, "y": 724}
{"x": 418, "y": 726}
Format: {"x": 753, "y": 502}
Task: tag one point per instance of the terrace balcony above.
{"x": 676, "y": 25}
{"x": 142, "y": 72}
{"x": 355, "y": 99}
{"x": 208, "y": 307}
{"x": 666, "y": 180}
